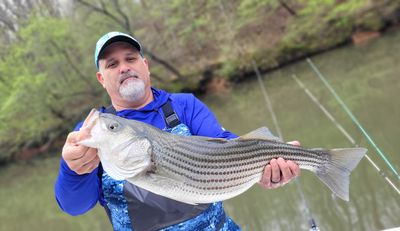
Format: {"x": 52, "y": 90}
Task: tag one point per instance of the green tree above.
{"x": 43, "y": 75}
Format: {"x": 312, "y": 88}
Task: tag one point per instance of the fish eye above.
{"x": 113, "y": 126}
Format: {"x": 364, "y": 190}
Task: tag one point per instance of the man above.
{"x": 125, "y": 75}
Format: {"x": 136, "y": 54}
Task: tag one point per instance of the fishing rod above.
{"x": 344, "y": 132}
{"x": 350, "y": 114}
{"x": 312, "y": 223}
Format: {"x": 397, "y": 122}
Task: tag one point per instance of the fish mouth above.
{"x": 123, "y": 78}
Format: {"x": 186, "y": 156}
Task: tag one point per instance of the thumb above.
{"x": 84, "y": 131}
{"x": 83, "y": 134}
{"x": 90, "y": 118}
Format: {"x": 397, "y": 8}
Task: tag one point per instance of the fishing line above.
{"x": 350, "y": 114}
{"x": 267, "y": 100}
{"x": 344, "y": 132}
{"x": 312, "y": 223}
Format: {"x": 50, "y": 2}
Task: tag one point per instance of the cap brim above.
{"x": 119, "y": 38}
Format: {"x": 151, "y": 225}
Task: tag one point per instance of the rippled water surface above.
{"x": 367, "y": 79}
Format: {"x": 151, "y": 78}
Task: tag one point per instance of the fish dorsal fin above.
{"x": 209, "y": 139}
{"x": 262, "y": 133}
{"x": 217, "y": 140}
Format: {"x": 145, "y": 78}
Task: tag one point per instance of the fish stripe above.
{"x": 210, "y": 165}
{"x": 264, "y": 154}
{"x": 206, "y": 184}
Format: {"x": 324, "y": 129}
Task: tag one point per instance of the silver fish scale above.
{"x": 204, "y": 170}
{"x": 217, "y": 167}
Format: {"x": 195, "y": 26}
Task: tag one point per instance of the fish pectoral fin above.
{"x": 163, "y": 186}
{"x": 164, "y": 181}
{"x": 262, "y": 133}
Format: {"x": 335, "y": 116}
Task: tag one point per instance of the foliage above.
{"x": 47, "y": 75}
{"x": 42, "y": 77}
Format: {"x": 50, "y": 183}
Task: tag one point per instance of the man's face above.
{"x": 124, "y": 73}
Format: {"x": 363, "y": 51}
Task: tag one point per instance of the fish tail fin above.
{"x": 336, "y": 174}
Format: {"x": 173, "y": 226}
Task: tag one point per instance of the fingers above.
{"x": 294, "y": 168}
{"x": 271, "y": 172}
{"x": 89, "y": 166}
{"x": 85, "y": 163}
{"x": 88, "y": 156}
{"x": 287, "y": 174}
{"x": 276, "y": 171}
{"x": 74, "y": 137}
{"x": 79, "y": 158}
{"x": 71, "y": 149}
{"x": 266, "y": 178}
{"x": 294, "y": 142}
{"x": 71, "y": 146}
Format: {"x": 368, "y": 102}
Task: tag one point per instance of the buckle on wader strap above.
{"x": 170, "y": 117}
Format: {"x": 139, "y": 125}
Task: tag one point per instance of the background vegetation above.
{"x": 47, "y": 84}
{"x": 47, "y": 72}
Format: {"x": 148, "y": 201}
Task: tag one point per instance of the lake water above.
{"x": 367, "y": 79}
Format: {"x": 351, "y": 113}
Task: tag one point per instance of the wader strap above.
{"x": 170, "y": 116}
{"x": 100, "y": 173}
{"x": 111, "y": 110}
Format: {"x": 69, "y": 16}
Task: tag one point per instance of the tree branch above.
{"x": 126, "y": 19}
{"x": 287, "y": 7}
{"x": 165, "y": 64}
{"x": 72, "y": 64}
{"x": 102, "y": 10}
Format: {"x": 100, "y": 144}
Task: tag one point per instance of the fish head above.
{"x": 123, "y": 151}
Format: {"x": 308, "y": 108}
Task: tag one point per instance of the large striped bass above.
{"x": 199, "y": 169}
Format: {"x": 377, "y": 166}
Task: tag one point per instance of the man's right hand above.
{"x": 79, "y": 158}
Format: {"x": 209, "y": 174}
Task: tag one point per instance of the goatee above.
{"x": 133, "y": 90}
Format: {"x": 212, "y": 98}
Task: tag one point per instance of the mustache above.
{"x": 129, "y": 74}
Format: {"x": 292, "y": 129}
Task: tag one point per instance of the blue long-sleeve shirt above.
{"x": 76, "y": 194}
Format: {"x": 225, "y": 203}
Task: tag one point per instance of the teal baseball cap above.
{"x": 112, "y": 37}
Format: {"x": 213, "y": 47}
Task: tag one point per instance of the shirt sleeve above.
{"x": 76, "y": 194}
{"x": 202, "y": 121}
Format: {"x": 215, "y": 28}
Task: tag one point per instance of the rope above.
{"x": 344, "y": 132}
{"x": 353, "y": 118}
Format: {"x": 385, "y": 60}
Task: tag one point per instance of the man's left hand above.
{"x": 279, "y": 172}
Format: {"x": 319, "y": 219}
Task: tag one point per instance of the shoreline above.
{"x": 211, "y": 82}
